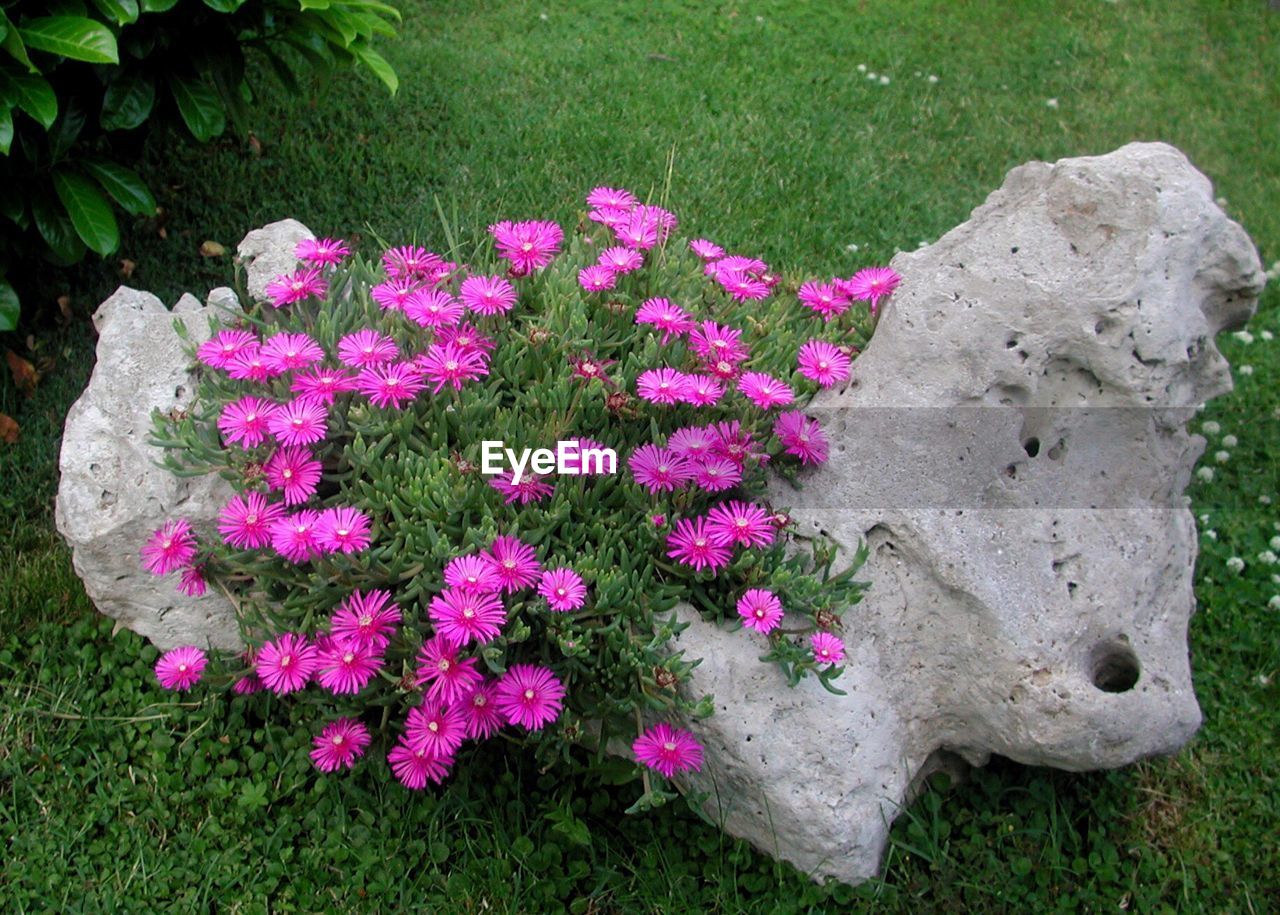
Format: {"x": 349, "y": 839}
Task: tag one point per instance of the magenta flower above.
{"x": 706, "y": 250}
{"x": 723, "y": 369}
{"x": 449, "y": 365}
{"x": 737, "y": 523}
{"x": 339, "y": 745}
{"x": 531, "y": 487}
{"x": 515, "y": 562}
{"x": 802, "y": 437}
{"x": 472, "y": 573}
{"x": 716, "y": 474}
{"x": 466, "y": 337}
{"x": 393, "y": 295}
{"x": 742, "y": 286}
{"x": 616, "y": 198}
{"x": 639, "y": 231}
{"x": 285, "y": 352}
{"x": 192, "y": 582}
{"x": 464, "y": 616}
{"x": 734, "y": 442}
{"x": 294, "y": 536}
{"x": 222, "y": 347}
{"x": 435, "y": 728}
{"x": 691, "y": 543}
{"x": 752, "y": 266}
{"x": 289, "y": 288}
{"x": 322, "y": 384}
{"x": 717, "y": 343}
{"x": 764, "y": 390}
{"x": 287, "y": 663}
{"x": 620, "y": 259}
{"x": 665, "y": 220}
{"x": 447, "y": 678}
{"x": 433, "y": 308}
{"x": 760, "y": 610}
{"x": 823, "y": 362}
{"x": 181, "y": 668}
{"x": 414, "y": 766}
{"x": 250, "y": 365}
{"x": 367, "y": 347}
{"x": 171, "y": 547}
{"x": 826, "y": 299}
{"x": 294, "y": 470}
{"x": 668, "y": 750}
{"x": 410, "y": 262}
{"x": 245, "y": 522}
{"x": 662, "y": 386}
{"x": 390, "y": 385}
{"x": 320, "y": 252}
{"x": 366, "y": 621}
{"x": 703, "y": 390}
{"x": 692, "y": 442}
{"x": 564, "y": 589}
{"x": 345, "y": 668}
{"x": 529, "y": 246}
{"x": 827, "y": 649}
{"x": 667, "y": 317}
{"x": 872, "y": 284}
{"x": 659, "y": 469}
{"x": 301, "y": 421}
{"x": 343, "y": 530}
{"x": 610, "y": 217}
{"x": 246, "y": 421}
{"x": 480, "y": 710}
{"x": 488, "y": 295}
{"x": 597, "y": 278}
{"x": 529, "y": 696}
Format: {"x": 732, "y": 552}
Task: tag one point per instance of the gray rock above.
{"x": 1012, "y": 448}
{"x": 268, "y": 252}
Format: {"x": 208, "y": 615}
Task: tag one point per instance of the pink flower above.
{"x": 827, "y": 649}
{"x": 742, "y": 286}
{"x": 515, "y": 562}
{"x": 706, "y": 250}
{"x": 294, "y": 536}
{"x": 665, "y": 220}
{"x": 449, "y": 365}
{"x": 703, "y": 390}
{"x": 435, "y": 728}
{"x": 659, "y": 469}
{"x": 339, "y": 745}
{"x": 621, "y": 260}
{"x": 343, "y": 530}
{"x": 529, "y": 696}
{"x": 245, "y": 522}
{"x": 826, "y": 299}
{"x": 289, "y": 288}
{"x": 691, "y": 543}
{"x": 637, "y": 231}
{"x": 463, "y": 616}
{"x": 823, "y": 362}
{"x": 301, "y": 421}
{"x": 410, "y": 262}
{"x": 322, "y": 384}
{"x": 181, "y": 668}
{"x": 447, "y": 678}
{"x": 367, "y": 347}
{"x": 752, "y": 266}
{"x": 472, "y": 573}
{"x": 219, "y": 349}
{"x": 433, "y": 308}
{"x": 365, "y": 620}
{"x": 345, "y": 668}
{"x": 480, "y": 710}
{"x": 668, "y": 750}
{"x": 414, "y": 766}
{"x": 246, "y": 421}
{"x": 488, "y": 295}
{"x": 285, "y": 352}
{"x": 612, "y": 217}
{"x": 715, "y": 342}
{"x": 692, "y": 442}
{"x": 563, "y": 589}
{"x": 716, "y": 474}
{"x": 171, "y": 547}
{"x": 737, "y": 523}
{"x": 529, "y": 246}
{"x": 192, "y": 582}
{"x": 734, "y": 443}
{"x": 393, "y": 295}
{"x": 764, "y": 391}
{"x": 611, "y": 197}
{"x": 667, "y": 317}
{"x": 294, "y": 470}
{"x": 466, "y": 337}
{"x": 596, "y": 278}
{"x": 760, "y": 610}
{"x": 802, "y": 437}
{"x": 287, "y": 663}
{"x": 531, "y": 488}
{"x": 662, "y": 386}
{"x": 390, "y": 385}
{"x": 250, "y": 365}
{"x": 872, "y": 284}
{"x": 658, "y": 520}
{"x": 320, "y": 252}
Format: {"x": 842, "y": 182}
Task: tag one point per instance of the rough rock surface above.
{"x": 268, "y": 252}
{"x": 112, "y": 494}
{"x": 1012, "y": 448}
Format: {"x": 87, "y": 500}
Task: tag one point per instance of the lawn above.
{"x": 762, "y": 125}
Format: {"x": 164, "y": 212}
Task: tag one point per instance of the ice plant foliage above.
{"x": 404, "y": 603}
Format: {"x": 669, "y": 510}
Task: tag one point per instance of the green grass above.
{"x": 112, "y": 796}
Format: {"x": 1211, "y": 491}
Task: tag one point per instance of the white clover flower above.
{"x": 1229, "y": 441}
{"x": 1222, "y": 202}
{"x": 1235, "y": 564}
{"x": 1243, "y": 336}
{"x": 1222, "y": 456}
{"x": 1267, "y": 335}
{"x": 1205, "y": 473}
{"x": 1267, "y": 558}
{"x": 1275, "y": 543}
{"x": 1263, "y": 679}
{"x": 862, "y": 68}
{"x": 1246, "y": 370}
{"x": 884, "y": 80}
{"x": 1210, "y": 535}
{"x": 922, "y": 244}
{"x": 1275, "y": 579}
{"x": 872, "y": 75}
{"x": 1264, "y": 500}
{"x": 1274, "y": 603}
{"x": 1052, "y": 103}
{"x": 851, "y": 247}
{"x": 1204, "y": 519}
{"x": 934, "y": 79}
{"x": 1211, "y": 428}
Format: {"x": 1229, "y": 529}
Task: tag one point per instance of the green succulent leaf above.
{"x": 200, "y": 107}
{"x": 127, "y": 102}
{"x": 74, "y": 37}
{"x": 89, "y": 210}
{"x": 123, "y": 184}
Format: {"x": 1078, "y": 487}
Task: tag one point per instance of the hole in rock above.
{"x": 1031, "y": 446}
{"x": 1057, "y": 451}
{"x": 1115, "y": 667}
{"x": 1011, "y": 343}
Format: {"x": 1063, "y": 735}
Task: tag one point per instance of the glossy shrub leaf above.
{"x": 224, "y": 6}
{"x": 89, "y": 210}
{"x": 13, "y": 46}
{"x": 200, "y": 107}
{"x": 378, "y": 66}
{"x": 122, "y": 12}
{"x": 6, "y": 129}
{"x": 123, "y": 184}
{"x": 127, "y": 102}
{"x": 158, "y": 6}
{"x": 32, "y": 94}
{"x": 75, "y": 37}
{"x": 65, "y": 246}
{"x": 65, "y": 131}
{"x": 9, "y": 306}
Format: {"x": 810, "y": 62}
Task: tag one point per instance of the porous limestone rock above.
{"x": 268, "y": 252}
{"x": 1012, "y": 448}
{"x": 112, "y": 494}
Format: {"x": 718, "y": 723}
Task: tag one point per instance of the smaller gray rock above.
{"x": 268, "y": 252}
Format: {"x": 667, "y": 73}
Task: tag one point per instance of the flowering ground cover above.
{"x": 113, "y": 790}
